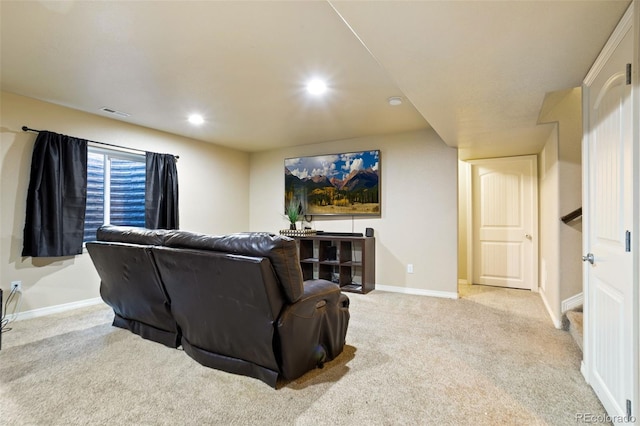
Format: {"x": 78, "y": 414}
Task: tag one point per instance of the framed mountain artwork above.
{"x": 334, "y": 184}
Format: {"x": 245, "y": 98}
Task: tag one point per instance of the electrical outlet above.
{"x": 410, "y": 268}
{"x": 16, "y": 285}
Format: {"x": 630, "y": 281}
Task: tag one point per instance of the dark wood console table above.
{"x": 349, "y": 262}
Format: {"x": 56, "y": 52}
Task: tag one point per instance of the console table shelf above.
{"x": 346, "y": 261}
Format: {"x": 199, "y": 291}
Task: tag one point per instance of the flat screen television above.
{"x": 334, "y": 184}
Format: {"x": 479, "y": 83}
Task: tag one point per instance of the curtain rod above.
{"x": 27, "y": 129}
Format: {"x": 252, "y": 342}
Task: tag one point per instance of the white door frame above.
{"x": 469, "y": 218}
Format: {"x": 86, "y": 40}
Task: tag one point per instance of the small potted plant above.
{"x": 293, "y": 213}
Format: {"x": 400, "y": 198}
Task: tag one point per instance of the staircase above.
{"x": 572, "y": 322}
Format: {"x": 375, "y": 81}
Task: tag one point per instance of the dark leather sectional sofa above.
{"x": 235, "y": 302}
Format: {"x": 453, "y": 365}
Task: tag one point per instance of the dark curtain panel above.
{"x": 56, "y": 197}
{"x": 161, "y": 199}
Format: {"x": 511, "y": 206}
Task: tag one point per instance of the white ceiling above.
{"x": 476, "y": 71}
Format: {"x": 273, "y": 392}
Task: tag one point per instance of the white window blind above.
{"x": 115, "y": 190}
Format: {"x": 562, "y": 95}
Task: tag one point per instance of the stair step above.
{"x": 575, "y": 319}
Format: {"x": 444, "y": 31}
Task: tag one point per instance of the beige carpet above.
{"x": 492, "y": 357}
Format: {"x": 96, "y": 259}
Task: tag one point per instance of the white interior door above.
{"x": 505, "y": 222}
{"x": 608, "y": 179}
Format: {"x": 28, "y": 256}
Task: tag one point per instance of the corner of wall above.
{"x": 417, "y": 169}
{"x": 53, "y": 282}
{"x": 557, "y": 323}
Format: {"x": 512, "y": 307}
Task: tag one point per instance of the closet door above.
{"x": 505, "y": 218}
{"x": 608, "y": 226}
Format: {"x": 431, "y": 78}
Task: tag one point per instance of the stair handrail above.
{"x": 572, "y": 216}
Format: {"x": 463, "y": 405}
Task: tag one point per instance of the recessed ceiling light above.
{"x": 395, "y": 100}
{"x": 316, "y": 87}
{"x": 196, "y": 119}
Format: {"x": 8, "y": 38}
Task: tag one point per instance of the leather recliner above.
{"x": 130, "y": 284}
{"x": 235, "y": 302}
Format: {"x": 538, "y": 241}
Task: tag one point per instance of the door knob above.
{"x": 527, "y": 236}
{"x": 588, "y": 258}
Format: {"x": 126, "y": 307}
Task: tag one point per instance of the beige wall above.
{"x": 561, "y": 193}
{"x": 565, "y": 108}
{"x": 214, "y": 187}
{"x": 569, "y": 116}
{"x": 418, "y": 224}
{"x": 549, "y": 271}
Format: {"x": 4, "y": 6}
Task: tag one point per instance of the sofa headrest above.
{"x": 132, "y": 235}
{"x": 281, "y": 251}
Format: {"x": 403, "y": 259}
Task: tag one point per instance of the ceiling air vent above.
{"x": 114, "y": 112}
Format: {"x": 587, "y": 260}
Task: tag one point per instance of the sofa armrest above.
{"x": 315, "y": 294}
{"x": 313, "y": 330}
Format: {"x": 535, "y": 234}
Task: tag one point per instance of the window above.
{"x": 115, "y": 190}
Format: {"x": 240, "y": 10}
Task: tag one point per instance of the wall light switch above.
{"x": 410, "y": 268}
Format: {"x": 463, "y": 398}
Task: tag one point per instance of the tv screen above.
{"x": 334, "y": 184}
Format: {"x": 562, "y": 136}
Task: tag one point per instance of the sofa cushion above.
{"x": 281, "y": 251}
{"x": 130, "y": 284}
{"x": 228, "y": 307}
{"x": 132, "y": 235}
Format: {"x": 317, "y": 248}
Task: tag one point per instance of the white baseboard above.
{"x": 41, "y": 312}
{"x": 556, "y": 322}
{"x": 418, "y": 291}
{"x": 572, "y": 302}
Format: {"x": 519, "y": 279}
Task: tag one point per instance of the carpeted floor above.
{"x": 491, "y": 357}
